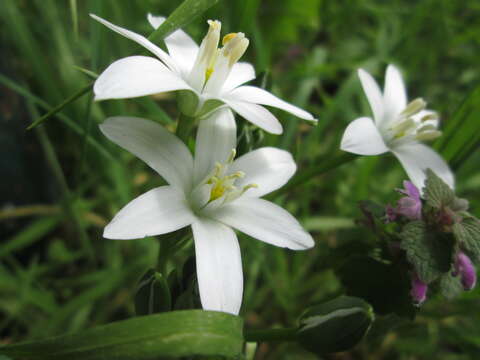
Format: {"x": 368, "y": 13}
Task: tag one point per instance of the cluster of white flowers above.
{"x": 214, "y": 192}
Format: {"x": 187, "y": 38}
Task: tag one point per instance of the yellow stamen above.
{"x": 228, "y": 37}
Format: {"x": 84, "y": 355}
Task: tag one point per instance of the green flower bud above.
{"x": 334, "y": 326}
{"x": 153, "y": 294}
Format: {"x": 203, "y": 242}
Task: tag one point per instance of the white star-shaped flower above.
{"x": 213, "y": 193}
{"x": 207, "y": 76}
{"x": 397, "y": 127}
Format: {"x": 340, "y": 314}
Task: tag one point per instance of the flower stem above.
{"x": 283, "y": 334}
{"x": 185, "y": 126}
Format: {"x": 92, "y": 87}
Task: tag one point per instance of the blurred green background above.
{"x": 62, "y": 182}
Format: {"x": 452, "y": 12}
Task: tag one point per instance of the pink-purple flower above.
{"x": 410, "y": 206}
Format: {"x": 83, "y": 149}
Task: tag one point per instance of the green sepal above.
{"x": 153, "y": 294}
{"x": 336, "y": 325}
{"x": 160, "y": 336}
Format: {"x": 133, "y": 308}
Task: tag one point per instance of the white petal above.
{"x": 256, "y": 95}
{"x": 181, "y": 46}
{"x": 362, "y": 137}
{"x": 265, "y": 221}
{"x": 155, "y": 145}
{"x": 136, "y": 76}
{"x": 257, "y": 115}
{"x": 216, "y": 138}
{"x": 158, "y": 211}
{"x": 141, "y": 40}
{"x": 219, "y": 266}
{"x": 416, "y": 158}
{"x": 373, "y": 93}
{"x": 269, "y": 168}
{"x": 395, "y": 95}
{"x": 241, "y": 73}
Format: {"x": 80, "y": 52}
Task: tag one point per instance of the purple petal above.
{"x": 411, "y": 190}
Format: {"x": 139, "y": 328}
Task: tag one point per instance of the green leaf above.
{"x": 437, "y": 193}
{"x": 337, "y": 325}
{"x": 429, "y": 252}
{"x": 152, "y": 295}
{"x": 172, "y": 334}
{"x": 385, "y": 286}
{"x": 450, "y": 286}
{"x": 467, "y": 233}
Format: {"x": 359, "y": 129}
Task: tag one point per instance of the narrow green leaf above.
{"x": 467, "y": 233}
{"x": 324, "y": 165}
{"x": 172, "y": 334}
{"x": 461, "y": 135}
{"x": 181, "y": 16}
{"x": 430, "y": 253}
{"x": 60, "y": 106}
{"x": 437, "y": 193}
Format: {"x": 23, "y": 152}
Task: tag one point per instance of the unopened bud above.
{"x": 465, "y": 268}
{"x": 419, "y": 290}
{"x": 336, "y": 325}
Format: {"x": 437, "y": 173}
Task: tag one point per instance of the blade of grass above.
{"x": 44, "y": 105}
{"x": 68, "y": 198}
{"x": 30, "y": 234}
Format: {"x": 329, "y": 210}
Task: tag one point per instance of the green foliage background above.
{"x": 60, "y": 187}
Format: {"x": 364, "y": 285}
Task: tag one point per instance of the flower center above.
{"x": 413, "y": 125}
{"x": 224, "y": 185}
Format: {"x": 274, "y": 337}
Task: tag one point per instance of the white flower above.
{"x": 211, "y": 192}
{"x": 398, "y": 127}
{"x": 207, "y": 76}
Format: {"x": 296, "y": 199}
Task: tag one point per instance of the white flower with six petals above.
{"x": 212, "y": 76}
{"x": 211, "y": 192}
{"x": 397, "y": 127}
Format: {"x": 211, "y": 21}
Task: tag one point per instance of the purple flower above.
{"x": 465, "y": 268}
{"x": 419, "y": 290}
{"x": 410, "y": 206}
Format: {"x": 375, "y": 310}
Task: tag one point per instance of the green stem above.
{"x": 309, "y": 173}
{"x": 185, "y": 126}
{"x": 60, "y": 106}
{"x": 284, "y": 334}
{"x": 168, "y": 245}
